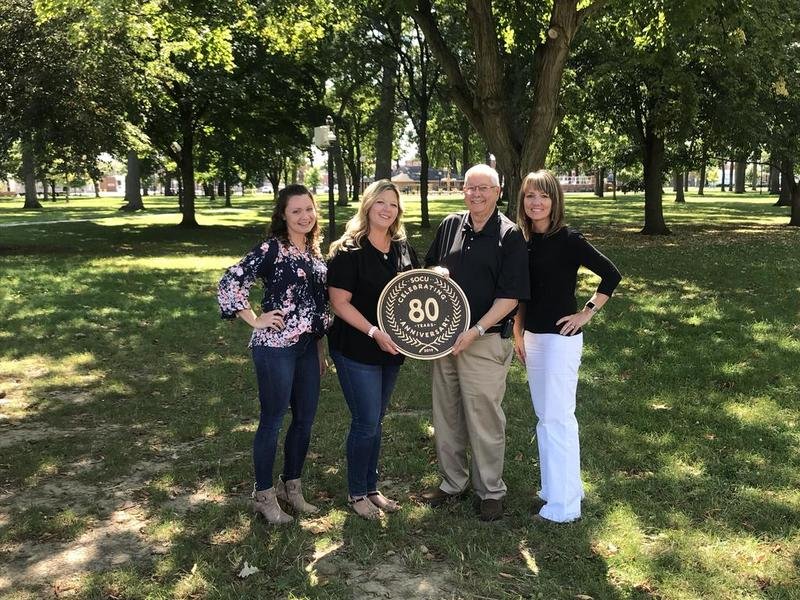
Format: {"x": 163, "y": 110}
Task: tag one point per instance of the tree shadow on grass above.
{"x": 683, "y": 386}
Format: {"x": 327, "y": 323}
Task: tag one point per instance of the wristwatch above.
{"x": 480, "y": 329}
{"x": 592, "y": 306}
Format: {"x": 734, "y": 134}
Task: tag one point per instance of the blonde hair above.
{"x": 357, "y": 227}
{"x": 541, "y": 181}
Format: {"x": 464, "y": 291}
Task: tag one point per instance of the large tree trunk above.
{"x": 787, "y": 178}
{"x": 739, "y": 175}
{"x": 519, "y": 141}
{"x": 423, "y": 170}
{"x": 730, "y": 175}
{"x": 274, "y": 176}
{"x": 795, "y": 219}
{"x": 653, "y": 163}
{"x": 133, "y": 184}
{"x": 385, "y": 117}
{"x": 187, "y": 173}
{"x": 168, "y": 190}
{"x": 614, "y": 182}
{"x": 722, "y": 176}
{"x": 599, "y": 182}
{"x": 45, "y": 193}
{"x": 29, "y": 173}
{"x": 701, "y": 185}
{"x": 466, "y": 146}
{"x": 677, "y": 178}
{"x": 774, "y": 186}
{"x": 357, "y": 177}
{"x": 228, "y": 193}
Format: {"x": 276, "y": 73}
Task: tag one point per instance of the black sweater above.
{"x": 553, "y": 262}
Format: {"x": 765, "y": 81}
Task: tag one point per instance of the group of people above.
{"x": 519, "y": 280}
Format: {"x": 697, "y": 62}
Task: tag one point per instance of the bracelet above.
{"x": 372, "y": 330}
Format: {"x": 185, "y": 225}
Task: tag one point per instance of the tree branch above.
{"x": 588, "y": 11}
{"x": 460, "y": 90}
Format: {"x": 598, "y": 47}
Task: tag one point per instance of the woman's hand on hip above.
{"x": 384, "y": 342}
{"x": 519, "y": 348}
{"x": 571, "y": 323}
{"x": 270, "y": 320}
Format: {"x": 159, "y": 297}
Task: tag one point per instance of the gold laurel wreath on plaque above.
{"x": 451, "y": 292}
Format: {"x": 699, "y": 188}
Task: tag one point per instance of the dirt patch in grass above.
{"x": 116, "y": 534}
{"x": 394, "y": 579}
{"x": 21, "y": 434}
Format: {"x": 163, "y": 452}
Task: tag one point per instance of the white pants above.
{"x": 552, "y": 362}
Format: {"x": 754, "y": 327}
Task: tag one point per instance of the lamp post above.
{"x": 325, "y": 139}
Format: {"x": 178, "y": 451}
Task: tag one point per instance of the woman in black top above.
{"x": 548, "y": 336}
{"x": 371, "y": 252}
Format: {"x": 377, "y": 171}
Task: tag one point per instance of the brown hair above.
{"x": 542, "y": 181}
{"x": 278, "y": 228}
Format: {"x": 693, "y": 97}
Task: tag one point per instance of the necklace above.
{"x": 387, "y": 244}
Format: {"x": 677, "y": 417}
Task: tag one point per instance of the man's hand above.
{"x": 464, "y": 340}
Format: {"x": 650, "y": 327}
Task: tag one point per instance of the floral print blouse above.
{"x": 294, "y": 282}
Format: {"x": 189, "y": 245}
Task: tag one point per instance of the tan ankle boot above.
{"x": 291, "y": 492}
{"x": 266, "y": 503}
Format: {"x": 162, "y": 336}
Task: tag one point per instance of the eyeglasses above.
{"x": 478, "y": 188}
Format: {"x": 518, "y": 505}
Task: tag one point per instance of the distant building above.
{"x": 407, "y": 179}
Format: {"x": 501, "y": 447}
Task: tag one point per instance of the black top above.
{"x": 488, "y": 264}
{"x": 554, "y": 261}
{"x": 364, "y": 272}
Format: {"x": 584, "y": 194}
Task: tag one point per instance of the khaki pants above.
{"x": 468, "y": 390}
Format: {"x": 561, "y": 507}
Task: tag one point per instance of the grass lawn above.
{"x": 127, "y": 410}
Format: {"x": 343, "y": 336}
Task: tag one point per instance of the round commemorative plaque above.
{"x": 423, "y": 312}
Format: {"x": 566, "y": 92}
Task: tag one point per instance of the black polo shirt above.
{"x": 364, "y": 272}
{"x": 487, "y": 264}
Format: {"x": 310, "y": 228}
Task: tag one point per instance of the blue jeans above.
{"x": 366, "y": 389}
{"x": 287, "y": 377}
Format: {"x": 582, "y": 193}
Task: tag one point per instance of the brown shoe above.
{"x": 436, "y": 496}
{"x": 291, "y": 492}
{"x": 266, "y": 504}
{"x": 491, "y": 509}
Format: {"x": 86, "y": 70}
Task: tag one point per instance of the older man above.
{"x": 486, "y": 255}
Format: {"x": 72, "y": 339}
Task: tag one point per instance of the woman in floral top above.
{"x": 286, "y": 342}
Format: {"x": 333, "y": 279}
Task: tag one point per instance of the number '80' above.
{"x": 418, "y": 313}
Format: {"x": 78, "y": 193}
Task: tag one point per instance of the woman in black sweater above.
{"x": 548, "y": 336}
